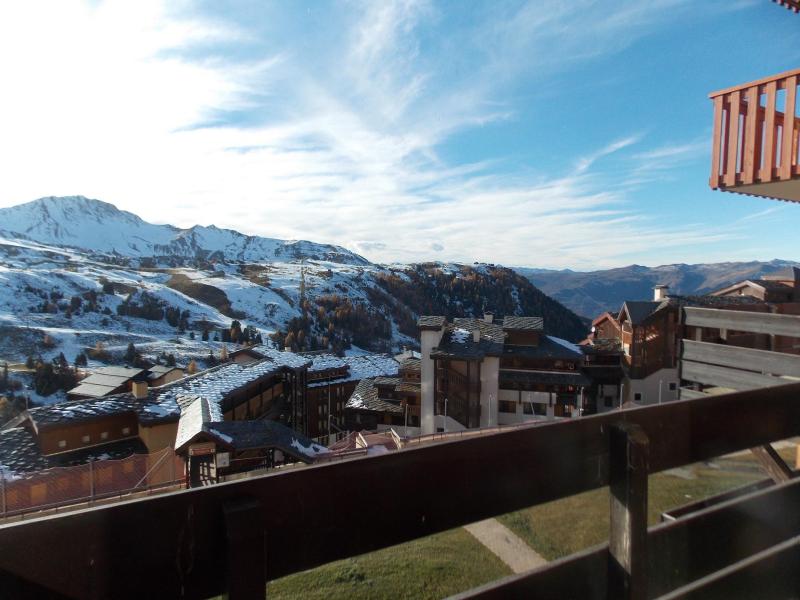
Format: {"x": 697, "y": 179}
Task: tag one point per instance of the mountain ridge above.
{"x": 100, "y": 227}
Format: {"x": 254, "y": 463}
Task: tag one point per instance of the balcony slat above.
{"x": 740, "y": 320}
{"x": 312, "y": 517}
{"x": 732, "y": 138}
{"x": 771, "y": 90}
{"x": 716, "y": 147}
{"x": 726, "y": 377}
{"x": 679, "y": 552}
{"x": 751, "y": 141}
{"x": 742, "y": 358}
{"x": 789, "y": 150}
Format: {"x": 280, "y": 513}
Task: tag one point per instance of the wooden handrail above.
{"x": 174, "y": 544}
{"x": 780, "y": 79}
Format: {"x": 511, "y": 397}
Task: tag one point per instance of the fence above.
{"x": 61, "y": 486}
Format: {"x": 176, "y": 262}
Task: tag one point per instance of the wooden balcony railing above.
{"x": 790, "y": 4}
{"x": 754, "y": 143}
{"x": 237, "y": 535}
{"x": 734, "y": 367}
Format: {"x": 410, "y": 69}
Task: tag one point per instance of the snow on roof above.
{"x": 568, "y": 345}
{"x": 324, "y": 362}
{"x": 459, "y": 335}
{"x": 311, "y": 451}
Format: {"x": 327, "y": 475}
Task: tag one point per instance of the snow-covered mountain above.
{"x": 100, "y": 227}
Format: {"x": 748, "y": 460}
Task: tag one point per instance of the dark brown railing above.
{"x": 237, "y": 535}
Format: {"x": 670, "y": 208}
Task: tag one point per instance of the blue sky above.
{"x": 545, "y": 133}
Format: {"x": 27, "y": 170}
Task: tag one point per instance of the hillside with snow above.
{"x": 77, "y": 274}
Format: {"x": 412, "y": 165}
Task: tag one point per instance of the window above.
{"x": 507, "y": 406}
{"x": 637, "y": 396}
{"x": 608, "y": 401}
{"x": 62, "y": 443}
{"x": 673, "y": 386}
{"x": 319, "y": 409}
{"x": 104, "y": 435}
{"x": 126, "y": 431}
{"x": 86, "y": 439}
{"x": 527, "y": 408}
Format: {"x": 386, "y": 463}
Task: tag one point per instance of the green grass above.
{"x": 432, "y": 567}
{"x": 560, "y": 528}
{"x": 454, "y": 561}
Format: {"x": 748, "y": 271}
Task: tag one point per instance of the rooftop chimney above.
{"x": 140, "y": 390}
{"x": 660, "y": 292}
{"x": 476, "y": 335}
{"x": 488, "y": 317}
{"x": 223, "y": 354}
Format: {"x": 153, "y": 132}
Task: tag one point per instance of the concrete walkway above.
{"x": 508, "y": 547}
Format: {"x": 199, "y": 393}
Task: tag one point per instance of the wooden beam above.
{"x": 740, "y": 320}
{"x": 750, "y": 141}
{"x": 690, "y": 394}
{"x": 772, "y": 573}
{"x": 772, "y": 463}
{"x": 788, "y": 148}
{"x": 627, "y": 541}
{"x": 734, "y": 379}
{"x": 716, "y": 147}
{"x": 732, "y": 137}
{"x": 770, "y": 91}
{"x": 764, "y": 361}
{"x": 246, "y": 558}
{"x": 679, "y": 552}
{"x": 427, "y": 489}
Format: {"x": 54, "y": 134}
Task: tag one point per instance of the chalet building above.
{"x": 146, "y": 418}
{"x": 332, "y": 380}
{"x": 215, "y": 449}
{"x": 775, "y": 289}
{"x": 482, "y": 373}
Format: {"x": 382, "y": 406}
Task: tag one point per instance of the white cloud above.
{"x": 105, "y": 100}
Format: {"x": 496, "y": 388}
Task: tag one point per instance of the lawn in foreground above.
{"x": 432, "y": 567}
{"x": 566, "y": 526}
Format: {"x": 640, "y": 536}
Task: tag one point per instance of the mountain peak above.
{"x": 100, "y": 227}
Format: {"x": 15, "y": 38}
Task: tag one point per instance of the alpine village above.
{"x": 196, "y": 412}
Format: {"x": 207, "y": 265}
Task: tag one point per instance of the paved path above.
{"x": 508, "y": 547}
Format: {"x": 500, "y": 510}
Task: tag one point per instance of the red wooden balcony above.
{"x": 755, "y": 147}
{"x": 790, "y": 4}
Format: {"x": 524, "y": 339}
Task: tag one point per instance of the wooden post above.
{"x": 772, "y": 463}
{"x": 627, "y": 544}
{"x": 246, "y": 552}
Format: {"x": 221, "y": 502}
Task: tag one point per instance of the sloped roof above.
{"x": 431, "y": 321}
{"x": 411, "y": 364}
{"x": 366, "y": 397}
{"x": 549, "y": 347}
{"x": 638, "y": 311}
{"x": 264, "y": 433}
{"x": 458, "y": 341}
{"x": 523, "y": 324}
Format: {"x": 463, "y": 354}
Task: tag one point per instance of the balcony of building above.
{"x": 755, "y": 138}
{"x": 793, "y": 5}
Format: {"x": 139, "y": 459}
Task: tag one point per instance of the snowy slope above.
{"x": 99, "y": 227}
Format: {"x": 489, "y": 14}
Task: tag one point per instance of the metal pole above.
{"x": 91, "y": 481}
{"x": 445, "y": 415}
{"x": 660, "y": 385}
{"x": 406, "y": 423}
{"x": 3, "y": 486}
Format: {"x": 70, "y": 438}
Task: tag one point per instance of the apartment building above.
{"x": 478, "y": 372}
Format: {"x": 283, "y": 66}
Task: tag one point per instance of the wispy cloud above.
{"x": 334, "y": 135}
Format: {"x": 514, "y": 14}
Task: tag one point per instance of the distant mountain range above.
{"x": 100, "y": 227}
{"x": 590, "y": 293}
